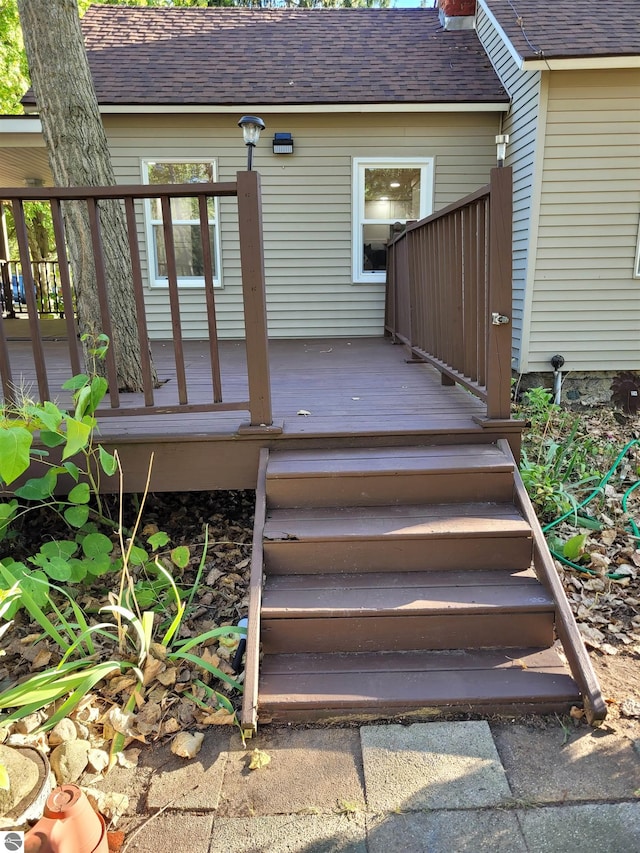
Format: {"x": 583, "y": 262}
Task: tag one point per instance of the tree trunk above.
{"x": 79, "y": 156}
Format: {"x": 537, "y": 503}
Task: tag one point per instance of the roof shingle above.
{"x": 580, "y": 28}
{"x": 220, "y": 56}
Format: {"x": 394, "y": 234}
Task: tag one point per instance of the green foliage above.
{"x": 558, "y": 464}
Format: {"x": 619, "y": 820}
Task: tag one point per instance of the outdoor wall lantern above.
{"x": 251, "y": 129}
{"x": 282, "y": 143}
{"x": 501, "y": 144}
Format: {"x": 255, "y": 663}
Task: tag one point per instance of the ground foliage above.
{"x": 575, "y": 451}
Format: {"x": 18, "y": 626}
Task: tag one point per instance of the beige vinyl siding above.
{"x": 522, "y": 123}
{"x": 306, "y": 206}
{"x": 586, "y": 302}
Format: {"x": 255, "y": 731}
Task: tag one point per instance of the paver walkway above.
{"x": 441, "y": 787}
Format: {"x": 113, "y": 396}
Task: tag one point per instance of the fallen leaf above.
{"x": 221, "y": 717}
{"x": 187, "y": 744}
{"x": 576, "y": 713}
{"x": 259, "y": 759}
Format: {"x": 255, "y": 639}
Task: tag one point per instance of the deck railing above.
{"x": 449, "y": 280}
{"x": 46, "y": 277}
{"x": 247, "y": 190}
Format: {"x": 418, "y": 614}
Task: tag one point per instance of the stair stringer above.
{"x": 566, "y": 627}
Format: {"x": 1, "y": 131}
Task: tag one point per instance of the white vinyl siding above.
{"x": 306, "y": 205}
{"x": 525, "y": 127}
{"x": 586, "y": 301}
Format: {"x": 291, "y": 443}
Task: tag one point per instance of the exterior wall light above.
{"x": 251, "y": 129}
{"x": 502, "y": 140}
{"x": 282, "y": 143}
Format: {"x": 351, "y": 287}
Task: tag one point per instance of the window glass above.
{"x": 385, "y": 194}
{"x": 185, "y": 219}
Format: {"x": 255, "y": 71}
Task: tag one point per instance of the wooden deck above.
{"x": 353, "y": 391}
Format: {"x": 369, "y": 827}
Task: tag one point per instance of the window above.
{"x": 186, "y": 224}
{"x": 636, "y": 269}
{"x": 385, "y": 192}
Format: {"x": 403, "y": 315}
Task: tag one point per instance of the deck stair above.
{"x": 400, "y": 580}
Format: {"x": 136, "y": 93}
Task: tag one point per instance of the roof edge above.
{"x": 580, "y": 63}
{"x": 302, "y": 109}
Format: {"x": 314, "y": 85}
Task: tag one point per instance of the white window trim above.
{"x": 360, "y": 164}
{"x": 636, "y": 268}
{"x": 162, "y": 283}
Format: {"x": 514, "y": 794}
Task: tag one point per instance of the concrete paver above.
{"x": 313, "y": 770}
{"x": 466, "y": 831}
{"x": 289, "y": 834}
{"x": 173, "y": 831}
{"x": 432, "y": 765}
{"x": 189, "y": 784}
{"x": 601, "y": 828}
{"x": 594, "y": 764}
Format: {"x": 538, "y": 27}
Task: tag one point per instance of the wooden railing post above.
{"x": 499, "y": 311}
{"x": 254, "y": 296}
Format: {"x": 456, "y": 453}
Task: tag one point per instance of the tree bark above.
{"x": 79, "y": 156}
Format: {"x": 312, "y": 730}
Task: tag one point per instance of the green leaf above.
{"x": 51, "y": 439}
{"x": 98, "y": 389}
{"x": 78, "y": 434}
{"x": 138, "y": 556}
{"x": 78, "y": 570}
{"x": 64, "y": 548}
{"x": 57, "y": 568}
{"x": 180, "y": 556}
{"x": 72, "y": 469}
{"x": 99, "y": 565}
{"x": 574, "y": 548}
{"x": 76, "y": 516}
{"x": 83, "y": 399}
{"x": 15, "y": 443}
{"x": 96, "y": 545}
{"x": 80, "y": 494}
{"x": 108, "y": 462}
{"x": 158, "y": 540}
{"x": 48, "y": 414}
{"x": 40, "y": 488}
{"x": 76, "y": 382}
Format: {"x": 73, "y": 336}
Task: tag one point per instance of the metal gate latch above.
{"x": 498, "y": 319}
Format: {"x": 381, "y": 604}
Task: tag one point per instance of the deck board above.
{"x": 362, "y": 385}
{"x": 340, "y": 391}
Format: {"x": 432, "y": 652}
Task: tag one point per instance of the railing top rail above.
{"x": 473, "y": 197}
{"x": 118, "y": 191}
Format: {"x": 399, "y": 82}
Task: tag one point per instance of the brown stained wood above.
{"x": 249, "y": 715}
{"x": 8, "y": 388}
{"x": 138, "y": 294}
{"x": 65, "y": 284}
{"x": 254, "y": 296}
{"x": 212, "y": 325}
{"x": 466, "y": 520}
{"x": 467, "y": 630}
{"x": 500, "y": 295}
{"x": 567, "y": 630}
{"x": 413, "y": 680}
{"x": 413, "y": 594}
{"x": 366, "y": 477}
{"x": 30, "y": 296}
{"x": 399, "y": 554}
{"x": 174, "y": 299}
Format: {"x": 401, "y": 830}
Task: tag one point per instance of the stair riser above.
{"x": 403, "y": 633}
{"x": 377, "y": 490}
{"x": 397, "y": 555}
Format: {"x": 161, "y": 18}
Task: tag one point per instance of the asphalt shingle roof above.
{"x": 573, "y": 29}
{"x": 226, "y": 56}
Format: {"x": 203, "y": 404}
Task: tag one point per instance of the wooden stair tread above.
{"x": 402, "y": 594}
{"x": 400, "y": 521}
{"x": 388, "y": 680}
{"x": 376, "y": 461}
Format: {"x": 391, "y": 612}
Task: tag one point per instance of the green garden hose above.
{"x": 598, "y": 490}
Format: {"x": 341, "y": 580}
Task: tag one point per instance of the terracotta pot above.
{"x": 69, "y": 825}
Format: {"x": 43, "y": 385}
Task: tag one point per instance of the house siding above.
{"x": 586, "y": 302}
{"x": 523, "y": 125}
{"x": 306, "y": 206}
